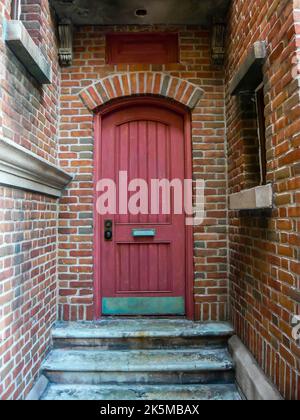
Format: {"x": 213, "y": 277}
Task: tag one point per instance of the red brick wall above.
{"x": 243, "y": 166}
{"x": 32, "y": 17}
{"x": 264, "y": 247}
{"x": 28, "y": 222}
{"x": 76, "y": 155}
{"x": 30, "y": 112}
{"x": 28, "y": 234}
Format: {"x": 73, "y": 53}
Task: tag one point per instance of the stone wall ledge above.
{"x": 253, "y": 199}
{"x": 250, "y": 72}
{"x": 251, "y": 379}
{"x": 20, "y": 168}
{"x": 22, "y": 45}
{"x": 38, "y": 389}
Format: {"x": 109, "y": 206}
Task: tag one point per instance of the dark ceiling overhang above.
{"x": 123, "y": 12}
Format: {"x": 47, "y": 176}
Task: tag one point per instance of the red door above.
{"x": 142, "y": 266}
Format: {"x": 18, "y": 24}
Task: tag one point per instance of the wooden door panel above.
{"x": 148, "y": 143}
{"x": 151, "y": 142}
{"x": 144, "y": 268}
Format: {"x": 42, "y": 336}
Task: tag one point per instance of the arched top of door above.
{"x": 141, "y": 84}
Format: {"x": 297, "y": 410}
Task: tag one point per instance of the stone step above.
{"x": 177, "y": 366}
{"x": 125, "y": 334}
{"x": 141, "y": 393}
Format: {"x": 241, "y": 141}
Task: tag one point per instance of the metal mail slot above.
{"x": 143, "y": 233}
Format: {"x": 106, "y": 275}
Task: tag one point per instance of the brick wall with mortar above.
{"x": 28, "y": 292}
{"x": 28, "y": 222}
{"x": 76, "y": 275}
{"x": 32, "y": 17}
{"x": 264, "y": 247}
{"x": 30, "y": 112}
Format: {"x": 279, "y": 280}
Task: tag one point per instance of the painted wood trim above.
{"x": 98, "y": 228}
{"x": 20, "y": 42}
{"x": 133, "y": 48}
{"x": 189, "y": 235}
{"x": 20, "y": 168}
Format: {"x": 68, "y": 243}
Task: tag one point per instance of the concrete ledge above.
{"x": 38, "y": 389}
{"x": 253, "y": 199}
{"x": 250, "y": 75}
{"x": 250, "y": 377}
{"x": 20, "y": 42}
{"x": 20, "y": 168}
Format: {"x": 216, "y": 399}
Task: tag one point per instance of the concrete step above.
{"x": 122, "y": 334}
{"x": 141, "y": 393}
{"x": 176, "y": 366}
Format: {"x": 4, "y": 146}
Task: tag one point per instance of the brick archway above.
{"x": 141, "y": 83}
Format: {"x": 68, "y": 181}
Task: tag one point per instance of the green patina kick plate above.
{"x": 143, "y": 306}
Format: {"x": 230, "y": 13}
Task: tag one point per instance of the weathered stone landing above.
{"x": 140, "y": 359}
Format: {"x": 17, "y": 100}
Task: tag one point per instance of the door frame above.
{"x": 98, "y": 220}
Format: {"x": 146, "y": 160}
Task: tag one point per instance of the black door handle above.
{"x": 108, "y": 230}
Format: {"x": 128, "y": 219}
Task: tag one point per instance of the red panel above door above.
{"x": 150, "y": 48}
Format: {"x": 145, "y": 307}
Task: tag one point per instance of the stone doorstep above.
{"x": 140, "y": 328}
{"x": 184, "y": 373}
{"x": 141, "y": 393}
{"x": 166, "y": 360}
{"x": 139, "y": 368}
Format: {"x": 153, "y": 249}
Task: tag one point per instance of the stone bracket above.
{"x": 20, "y": 42}
{"x": 250, "y": 74}
{"x": 65, "y": 52}
{"x": 20, "y": 168}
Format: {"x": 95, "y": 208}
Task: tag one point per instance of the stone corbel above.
{"x": 218, "y": 41}
{"x": 65, "y": 31}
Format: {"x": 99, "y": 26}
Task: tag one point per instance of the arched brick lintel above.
{"x": 141, "y": 83}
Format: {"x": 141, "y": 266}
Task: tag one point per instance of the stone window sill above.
{"x": 20, "y": 168}
{"x": 252, "y": 199}
{"x": 20, "y": 42}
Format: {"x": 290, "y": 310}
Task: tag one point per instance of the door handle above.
{"x": 108, "y": 230}
{"x": 143, "y": 233}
